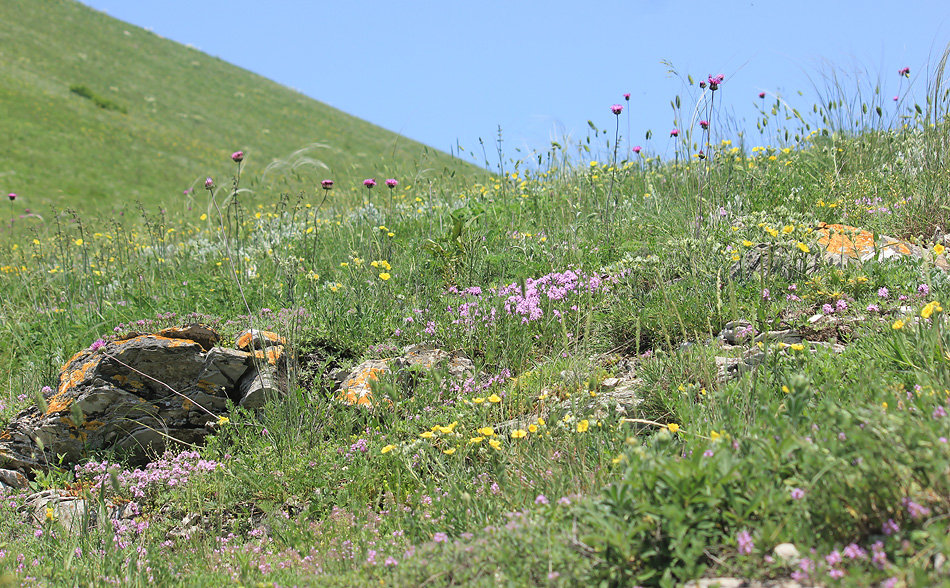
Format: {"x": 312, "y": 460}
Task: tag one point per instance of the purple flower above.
{"x": 797, "y": 493}
{"x": 391, "y": 183}
{"x": 853, "y": 551}
{"x": 541, "y": 499}
{"x": 744, "y": 539}
{"x": 827, "y": 309}
{"x": 762, "y": 95}
{"x": 564, "y": 501}
{"x": 675, "y": 133}
{"x": 714, "y": 81}
{"x": 626, "y": 97}
{"x": 704, "y": 124}
{"x": 209, "y": 184}
{"x": 702, "y": 84}
{"x": 326, "y": 184}
{"x": 904, "y": 72}
{"x": 841, "y": 305}
{"x": 883, "y": 292}
{"x": 440, "y": 538}
{"x": 923, "y": 289}
{"x": 896, "y": 98}
{"x": 11, "y": 196}
{"x": 636, "y": 149}
{"x": 833, "y": 558}
{"x": 369, "y": 183}
{"x": 890, "y": 527}
{"x": 915, "y": 510}
{"x": 874, "y": 308}
{"x": 97, "y": 345}
{"x": 938, "y": 413}
{"x": 766, "y": 295}
{"x": 616, "y": 109}
{"x": 237, "y": 156}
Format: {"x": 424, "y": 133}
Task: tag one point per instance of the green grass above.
{"x": 97, "y": 114}
{"x": 551, "y": 281}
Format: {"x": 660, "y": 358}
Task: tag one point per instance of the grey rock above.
{"x": 12, "y": 479}
{"x": 139, "y": 394}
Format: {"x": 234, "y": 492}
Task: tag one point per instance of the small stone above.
{"x": 610, "y": 383}
{"x": 787, "y": 553}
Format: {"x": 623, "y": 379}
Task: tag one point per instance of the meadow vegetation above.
{"x": 550, "y": 276}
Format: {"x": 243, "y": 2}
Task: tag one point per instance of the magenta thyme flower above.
{"x": 391, "y": 183}
{"x": 744, "y": 539}
{"x": 326, "y": 184}
{"x": 237, "y": 156}
{"x": 369, "y": 183}
{"x": 209, "y": 184}
{"x": 616, "y": 109}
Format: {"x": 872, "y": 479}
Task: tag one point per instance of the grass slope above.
{"x": 172, "y": 115}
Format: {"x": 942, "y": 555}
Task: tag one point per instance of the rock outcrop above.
{"x": 138, "y": 395}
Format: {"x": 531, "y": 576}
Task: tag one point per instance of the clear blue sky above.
{"x": 447, "y": 71}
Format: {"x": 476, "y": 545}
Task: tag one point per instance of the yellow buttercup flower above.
{"x": 519, "y": 433}
{"x": 582, "y": 426}
{"x": 495, "y": 443}
{"x": 476, "y": 439}
{"x": 715, "y": 436}
{"x": 384, "y": 276}
{"x": 804, "y": 248}
{"x": 486, "y": 431}
{"x": 478, "y": 400}
{"x": 427, "y": 435}
{"x": 939, "y": 249}
{"x": 898, "y": 325}
{"x": 388, "y": 448}
{"x": 449, "y": 451}
{"x": 494, "y": 399}
{"x": 673, "y": 427}
{"x": 534, "y": 428}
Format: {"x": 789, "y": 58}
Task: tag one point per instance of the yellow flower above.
{"x": 478, "y": 400}
{"x": 582, "y": 426}
{"x": 898, "y": 325}
{"x": 884, "y": 405}
{"x": 344, "y": 264}
{"x": 223, "y": 420}
{"x": 939, "y": 249}
{"x": 384, "y": 276}
{"x": 786, "y": 390}
{"x": 930, "y": 309}
{"x": 494, "y": 399}
{"x": 797, "y": 346}
{"x": 449, "y": 451}
{"x": 446, "y": 429}
{"x": 534, "y": 428}
{"x": 427, "y": 435}
{"x": 673, "y": 427}
{"x": 519, "y": 433}
{"x": 203, "y": 217}
{"x": 388, "y": 448}
{"x": 715, "y": 436}
{"x": 804, "y": 248}
{"x": 540, "y": 422}
{"x": 788, "y": 229}
{"x": 50, "y": 513}
{"x": 476, "y": 439}
{"x": 495, "y": 443}
{"x": 78, "y": 242}
{"x": 486, "y": 431}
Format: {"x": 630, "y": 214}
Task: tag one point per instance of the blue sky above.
{"x": 451, "y": 72}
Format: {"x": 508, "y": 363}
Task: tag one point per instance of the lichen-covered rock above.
{"x": 356, "y": 387}
{"x": 138, "y": 394}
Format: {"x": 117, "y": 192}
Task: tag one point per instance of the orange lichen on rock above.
{"x": 246, "y": 341}
{"x": 272, "y": 354}
{"x": 358, "y": 390}
{"x": 856, "y": 243}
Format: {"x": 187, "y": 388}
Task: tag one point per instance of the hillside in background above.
{"x": 96, "y": 114}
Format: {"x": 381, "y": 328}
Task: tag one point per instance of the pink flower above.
{"x": 237, "y": 156}
{"x": 904, "y": 72}
{"x": 702, "y": 84}
{"x": 626, "y": 97}
{"x": 616, "y": 109}
{"x": 704, "y": 124}
{"x": 541, "y": 499}
{"x": 636, "y": 149}
{"x": 369, "y": 183}
{"x": 391, "y": 183}
{"x": 762, "y": 95}
{"x": 896, "y": 98}
{"x": 797, "y": 493}
{"x": 326, "y": 184}
{"x": 209, "y": 184}
{"x": 744, "y": 539}
{"x": 714, "y": 81}
{"x": 675, "y": 133}
{"x": 11, "y": 196}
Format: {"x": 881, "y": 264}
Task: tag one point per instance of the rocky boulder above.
{"x": 140, "y": 394}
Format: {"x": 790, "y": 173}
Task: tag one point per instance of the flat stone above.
{"x": 787, "y": 554}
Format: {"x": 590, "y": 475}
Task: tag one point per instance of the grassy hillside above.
{"x": 671, "y": 380}
{"x": 152, "y": 116}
